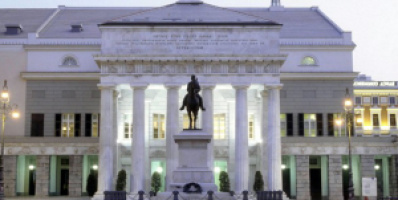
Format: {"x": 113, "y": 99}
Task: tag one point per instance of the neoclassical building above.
{"x": 100, "y": 90}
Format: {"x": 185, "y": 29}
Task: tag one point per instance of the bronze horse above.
{"x": 193, "y": 101}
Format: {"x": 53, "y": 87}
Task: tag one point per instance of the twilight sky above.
{"x": 373, "y": 23}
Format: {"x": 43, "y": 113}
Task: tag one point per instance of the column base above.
{"x": 98, "y": 196}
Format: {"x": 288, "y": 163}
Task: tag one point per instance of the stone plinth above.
{"x": 192, "y": 164}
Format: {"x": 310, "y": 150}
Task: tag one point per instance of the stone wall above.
{"x": 10, "y": 175}
{"x": 75, "y": 175}
{"x": 303, "y": 177}
{"x": 335, "y": 178}
{"x": 42, "y": 175}
{"x": 367, "y": 169}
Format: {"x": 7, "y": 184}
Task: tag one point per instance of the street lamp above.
{"x": 348, "y": 106}
{"x": 6, "y": 109}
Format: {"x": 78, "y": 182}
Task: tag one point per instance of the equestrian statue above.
{"x": 193, "y": 101}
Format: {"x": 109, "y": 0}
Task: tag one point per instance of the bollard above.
{"x": 232, "y": 193}
{"x": 152, "y": 194}
{"x": 175, "y": 193}
{"x": 210, "y": 195}
{"x": 245, "y": 195}
{"x": 141, "y": 195}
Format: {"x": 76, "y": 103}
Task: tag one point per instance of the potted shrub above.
{"x": 121, "y": 180}
{"x": 258, "y": 182}
{"x": 224, "y": 182}
{"x": 156, "y": 182}
{"x": 92, "y": 182}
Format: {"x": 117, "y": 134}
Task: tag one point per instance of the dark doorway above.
{"x": 32, "y": 182}
{"x": 286, "y": 181}
{"x": 316, "y": 184}
{"x": 64, "y": 182}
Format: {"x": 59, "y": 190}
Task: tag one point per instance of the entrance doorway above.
{"x": 316, "y": 184}
{"x": 64, "y": 182}
{"x": 32, "y": 182}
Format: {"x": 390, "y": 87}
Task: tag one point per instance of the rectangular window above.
{"x": 319, "y": 124}
{"x": 37, "y": 125}
{"x": 289, "y": 124}
{"x": 159, "y": 126}
{"x": 301, "y": 124}
{"x": 58, "y": 125}
{"x": 128, "y": 126}
{"x": 393, "y": 120}
{"x": 68, "y": 125}
{"x": 283, "y": 125}
{"x": 375, "y": 118}
{"x": 310, "y": 125}
{"x": 331, "y": 124}
{"x": 392, "y": 101}
{"x": 339, "y": 125}
{"x": 375, "y": 101}
{"x": 251, "y": 127}
{"x": 359, "y": 120}
{"x": 219, "y": 126}
{"x": 92, "y": 125}
{"x": 358, "y": 100}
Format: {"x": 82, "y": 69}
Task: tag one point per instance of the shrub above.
{"x": 156, "y": 182}
{"x": 258, "y": 182}
{"x": 224, "y": 182}
{"x": 121, "y": 181}
{"x": 92, "y": 182}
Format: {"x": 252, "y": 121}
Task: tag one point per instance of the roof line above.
{"x": 334, "y": 25}
{"x": 47, "y": 21}
{"x": 142, "y": 11}
{"x": 220, "y": 23}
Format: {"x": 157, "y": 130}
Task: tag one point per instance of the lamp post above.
{"x": 6, "y": 109}
{"x": 348, "y": 106}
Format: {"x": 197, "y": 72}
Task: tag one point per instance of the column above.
{"x": 42, "y": 175}
{"x": 172, "y": 128}
{"x": 303, "y": 177}
{"x": 325, "y": 124}
{"x": 105, "y": 162}
{"x": 137, "y": 176}
{"x": 10, "y": 175}
{"x": 241, "y": 139}
{"x": 264, "y": 137}
{"x": 368, "y": 168}
{"x": 207, "y": 120}
{"x": 335, "y": 178}
{"x": 274, "y": 139}
{"x": 115, "y": 136}
{"x": 75, "y": 175}
{"x": 394, "y": 175}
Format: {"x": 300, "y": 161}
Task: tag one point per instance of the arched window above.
{"x": 308, "y": 60}
{"x": 69, "y": 61}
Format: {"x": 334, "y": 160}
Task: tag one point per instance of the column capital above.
{"x": 207, "y": 86}
{"x": 264, "y": 93}
{"x": 106, "y": 86}
{"x": 172, "y": 86}
{"x": 274, "y": 86}
{"x": 243, "y": 86}
{"x": 139, "y": 86}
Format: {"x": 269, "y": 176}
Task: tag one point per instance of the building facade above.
{"x": 99, "y": 90}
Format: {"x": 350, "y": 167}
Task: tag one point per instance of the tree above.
{"x": 92, "y": 182}
{"x": 121, "y": 181}
{"x": 224, "y": 182}
{"x": 258, "y": 182}
{"x": 156, "y": 182}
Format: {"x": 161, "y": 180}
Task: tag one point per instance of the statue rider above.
{"x": 194, "y": 84}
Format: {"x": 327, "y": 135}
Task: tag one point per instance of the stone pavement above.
{"x": 47, "y": 198}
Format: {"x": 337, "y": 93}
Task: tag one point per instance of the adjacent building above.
{"x": 99, "y": 90}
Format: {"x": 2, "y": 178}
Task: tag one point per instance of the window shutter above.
{"x": 78, "y": 125}
{"x": 330, "y": 124}
{"x": 289, "y": 124}
{"x": 37, "y": 125}
{"x": 88, "y": 124}
{"x": 58, "y": 124}
{"x": 301, "y": 124}
{"x": 319, "y": 124}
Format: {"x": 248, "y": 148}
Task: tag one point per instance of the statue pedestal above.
{"x": 192, "y": 164}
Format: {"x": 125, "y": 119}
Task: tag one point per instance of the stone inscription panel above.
{"x": 190, "y": 41}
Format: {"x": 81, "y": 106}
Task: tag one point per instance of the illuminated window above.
{"x": 94, "y": 125}
{"x": 375, "y": 118}
{"x": 127, "y": 126}
{"x": 251, "y": 127}
{"x": 69, "y": 61}
{"x": 68, "y": 125}
{"x": 339, "y": 125}
{"x": 359, "y": 120}
{"x": 219, "y": 126}
{"x": 310, "y": 125}
{"x": 159, "y": 126}
{"x": 393, "y": 120}
{"x": 308, "y": 61}
{"x": 283, "y": 125}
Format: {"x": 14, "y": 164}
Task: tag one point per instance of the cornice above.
{"x": 92, "y": 47}
{"x": 350, "y": 76}
{"x": 60, "y": 75}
